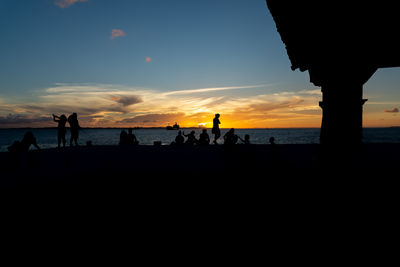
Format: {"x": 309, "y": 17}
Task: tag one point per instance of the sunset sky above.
{"x": 127, "y": 63}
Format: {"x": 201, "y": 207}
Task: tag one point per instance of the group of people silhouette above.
{"x": 128, "y": 138}
{"x": 230, "y": 138}
{"x": 204, "y": 138}
{"x": 29, "y": 139}
{"x": 62, "y": 130}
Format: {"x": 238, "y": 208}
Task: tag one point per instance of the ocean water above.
{"x": 47, "y": 138}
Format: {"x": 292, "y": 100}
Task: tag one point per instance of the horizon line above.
{"x": 189, "y": 127}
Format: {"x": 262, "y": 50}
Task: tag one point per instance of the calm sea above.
{"x": 47, "y": 138}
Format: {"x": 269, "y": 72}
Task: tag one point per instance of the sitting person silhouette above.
{"x": 272, "y": 140}
{"x": 230, "y": 138}
{"x": 246, "y": 140}
{"x": 131, "y": 138}
{"x": 191, "y": 138}
{"x": 28, "y": 140}
{"x": 204, "y": 138}
{"x": 123, "y": 138}
{"x": 61, "y": 129}
{"x": 179, "y": 139}
{"x": 273, "y": 151}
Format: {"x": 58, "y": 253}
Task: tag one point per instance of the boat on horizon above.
{"x": 174, "y": 127}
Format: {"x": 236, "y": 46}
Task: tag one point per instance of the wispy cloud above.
{"x": 18, "y": 120}
{"x": 67, "y": 3}
{"x": 113, "y": 105}
{"x": 393, "y": 110}
{"x": 203, "y": 90}
{"x": 117, "y": 33}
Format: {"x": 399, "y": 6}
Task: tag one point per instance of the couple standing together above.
{"x": 74, "y": 128}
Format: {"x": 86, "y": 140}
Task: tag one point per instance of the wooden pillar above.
{"x": 342, "y": 110}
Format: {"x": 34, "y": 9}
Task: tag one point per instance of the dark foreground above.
{"x": 202, "y": 192}
{"x": 118, "y": 166}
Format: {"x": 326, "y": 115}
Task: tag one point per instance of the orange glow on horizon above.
{"x": 108, "y": 106}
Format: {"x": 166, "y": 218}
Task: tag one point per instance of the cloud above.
{"x": 105, "y": 105}
{"x": 117, "y": 33}
{"x": 156, "y": 119}
{"x": 67, "y": 3}
{"x": 204, "y": 90}
{"x": 18, "y": 120}
{"x": 265, "y": 106}
{"x": 393, "y": 110}
{"x": 85, "y": 99}
{"x": 127, "y": 100}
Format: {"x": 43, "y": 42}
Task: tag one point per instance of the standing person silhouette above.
{"x": 74, "y": 128}
{"x": 215, "y": 130}
{"x": 61, "y": 129}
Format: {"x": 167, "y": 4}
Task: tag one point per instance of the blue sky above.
{"x": 59, "y": 56}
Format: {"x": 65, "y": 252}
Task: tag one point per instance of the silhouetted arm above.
{"x": 35, "y": 144}
{"x": 54, "y": 118}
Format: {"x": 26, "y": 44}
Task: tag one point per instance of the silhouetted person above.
{"x": 61, "y": 129}
{"x": 131, "y": 138}
{"x": 74, "y": 128}
{"x": 123, "y": 138}
{"x": 272, "y": 140}
{"x": 246, "y": 140}
{"x": 191, "y": 138}
{"x": 215, "y": 129}
{"x": 28, "y": 140}
{"x": 273, "y": 151}
{"x": 204, "y": 138}
{"x": 179, "y": 139}
{"x": 230, "y": 138}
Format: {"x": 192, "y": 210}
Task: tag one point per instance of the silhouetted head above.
{"x": 192, "y": 132}
{"x": 75, "y": 115}
{"x": 28, "y": 138}
{"x": 232, "y": 130}
{"x": 204, "y": 130}
{"x": 217, "y": 115}
{"x": 272, "y": 140}
{"x": 179, "y": 132}
{"x": 130, "y": 130}
{"x": 63, "y": 117}
{"x": 247, "y": 137}
{"x": 28, "y": 135}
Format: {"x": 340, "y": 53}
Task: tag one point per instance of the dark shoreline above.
{"x": 164, "y": 128}
{"x": 183, "y": 128}
{"x": 107, "y": 165}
